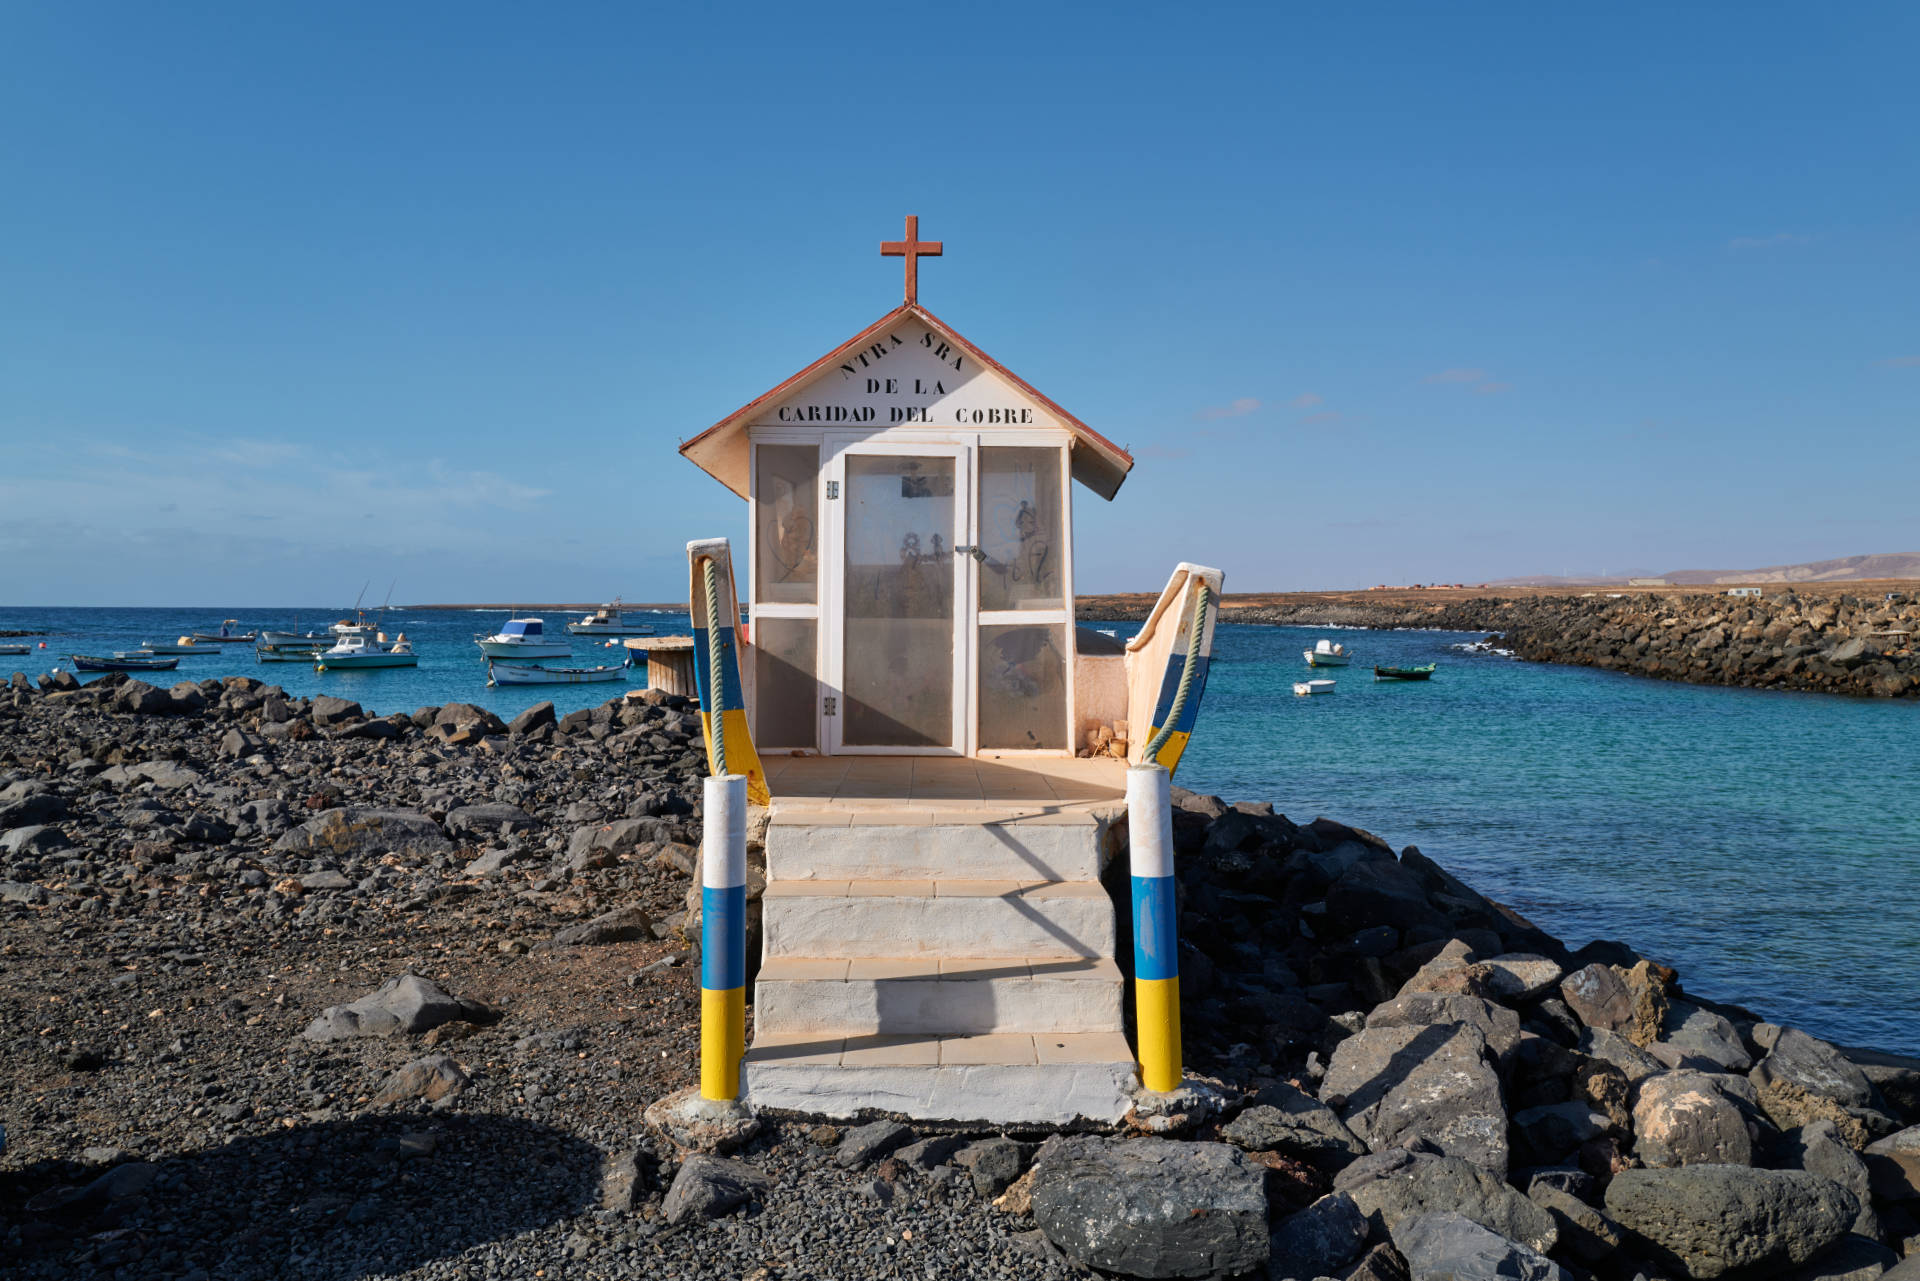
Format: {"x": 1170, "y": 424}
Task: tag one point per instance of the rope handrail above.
{"x": 715, "y": 669}
{"x": 1195, "y": 631}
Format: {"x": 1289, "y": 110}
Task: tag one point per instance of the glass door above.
{"x": 903, "y": 623}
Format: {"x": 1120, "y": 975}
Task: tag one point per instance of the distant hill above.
{"x": 1846, "y": 569}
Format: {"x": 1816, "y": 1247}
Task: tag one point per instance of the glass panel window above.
{"x": 1020, "y": 529}
{"x": 784, "y": 687}
{"x": 898, "y": 655}
{"x": 1023, "y": 686}
{"x": 786, "y": 525}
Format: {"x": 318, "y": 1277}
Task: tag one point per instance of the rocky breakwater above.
{"x": 293, "y": 990}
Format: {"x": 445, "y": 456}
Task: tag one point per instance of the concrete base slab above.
{"x": 1092, "y": 1086}
{"x": 699, "y": 1124}
{"x": 1042, "y": 845}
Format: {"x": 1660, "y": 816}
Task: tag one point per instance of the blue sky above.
{"x": 303, "y": 296}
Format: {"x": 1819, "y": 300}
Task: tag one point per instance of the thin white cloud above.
{"x": 1457, "y": 376}
{"x": 1306, "y": 400}
{"x": 1902, "y": 362}
{"x": 1777, "y": 240}
{"x": 1244, "y": 405}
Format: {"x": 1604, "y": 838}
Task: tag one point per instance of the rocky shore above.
{"x": 291, "y": 991}
{"x": 1829, "y": 643}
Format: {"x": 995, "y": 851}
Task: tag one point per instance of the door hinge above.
{"x": 832, "y": 704}
{"x": 833, "y": 489}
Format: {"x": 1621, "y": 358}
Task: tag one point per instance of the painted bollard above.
{"x": 723, "y": 936}
{"x": 1156, "y": 964}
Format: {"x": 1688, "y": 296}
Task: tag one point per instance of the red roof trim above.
{"x": 952, "y": 335}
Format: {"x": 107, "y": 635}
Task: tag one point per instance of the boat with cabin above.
{"x": 1307, "y": 688}
{"x": 1421, "y": 673}
{"x": 609, "y": 620}
{"x": 1328, "y": 653}
{"x": 523, "y": 638}
{"x": 534, "y": 674}
{"x": 355, "y": 652}
{"x": 93, "y": 663}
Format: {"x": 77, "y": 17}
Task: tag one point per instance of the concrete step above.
{"x": 988, "y": 920}
{"x": 946, "y": 995}
{"x": 1036, "y": 843}
{"x": 1003, "y": 1079}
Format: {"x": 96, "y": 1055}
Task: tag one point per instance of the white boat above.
{"x": 523, "y": 638}
{"x": 185, "y": 645}
{"x": 355, "y": 652}
{"x": 1304, "y": 688}
{"x": 534, "y": 674}
{"x": 609, "y": 621}
{"x": 1326, "y": 653}
{"x": 14, "y": 649}
{"x": 348, "y": 627}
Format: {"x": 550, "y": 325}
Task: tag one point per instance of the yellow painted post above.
{"x": 723, "y": 936}
{"x": 1156, "y": 935}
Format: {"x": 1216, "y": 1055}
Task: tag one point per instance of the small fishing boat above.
{"x": 226, "y": 635}
{"x": 534, "y": 674}
{"x": 523, "y": 638}
{"x": 354, "y": 652}
{"x": 296, "y": 638}
{"x": 14, "y": 649}
{"x": 1305, "y": 688}
{"x": 185, "y": 645}
{"x": 290, "y": 651}
{"x": 1403, "y": 673}
{"x": 90, "y": 663}
{"x": 609, "y": 621}
{"x": 1326, "y": 653}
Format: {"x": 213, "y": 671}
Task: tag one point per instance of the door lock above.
{"x": 974, "y": 550}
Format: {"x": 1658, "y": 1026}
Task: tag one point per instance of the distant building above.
{"x": 1648, "y": 582}
{"x": 1743, "y": 591}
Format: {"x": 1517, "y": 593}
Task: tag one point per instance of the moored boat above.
{"x": 534, "y": 674}
{"x": 1305, "y": 688}
{"x": 354, "y": 652}
{"x": 226, "y": 635}
{"x": 608, "y": 620}
{"x": 185, "y": 645}
{"x": 13, "y": 649}
{"x": 1404, "y": 673}
{"x": 1326, "y": 653}
{"x": 93, "y": 663}
{"x": 523, "y": 638}
{"x": 290, "y": 651}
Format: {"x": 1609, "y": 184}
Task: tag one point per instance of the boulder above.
{"x": 31, "y": 809}
{"x": 622, "y": 925}
{"x": 186, "y": 698}
{"x": 467, "y": 716}
{"x": 142, "y": 699}
{"x": 1286, "y": 1119}
{"x": 1610, "y": 1047}
{"x": 408, "y": 1004}
{"x": 1893, "y": 1163}
{"x": 1319, "y": 1240}
{"x": 329, "y": 711}
{"x": 1152, "y": 1207}
{"x": 37, "y": 839}
{"x": 1598, "y": 996}
{"x": 1497, "y": 1025}
{"x": 1380, "y": 892}
{"x": 238, "y": 744}
{"x": 1692, "y": 1037}
{"x": 532, "y": 719}
{"x": 1551, "y": 1130}
{"x": 1714, "y": 1220}
{"x": 994, "y": 1164}
{"x": 1519, "y": 977}
{"x": 433, "y": 1079}
{"x": 707, "y": 1187}
{"x": 1451, "y": 1247}
{"x": 1688, "y": 1118}
{"x": 1818, "y": 1148}
{"x": 1817, "y": 1068}
{"x": 1856, "y": 1258}
{"x": 1585, "y": 1233}
{"x": 352, "y": 831}
{"x": 493, "y": 818}
{"x": 1395, "y": 1185}
{"x": 1436, "y": 1082}
{"x": 871, "y": 1142}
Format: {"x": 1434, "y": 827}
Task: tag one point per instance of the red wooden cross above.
{"x": 912, "y": 249}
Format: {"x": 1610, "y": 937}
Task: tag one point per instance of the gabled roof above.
{"x": 721, "y": 450}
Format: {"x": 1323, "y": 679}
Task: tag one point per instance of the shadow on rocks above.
{"x": 339, "y": 1200}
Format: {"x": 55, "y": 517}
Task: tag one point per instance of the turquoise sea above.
{"x": 1765, "y": 844}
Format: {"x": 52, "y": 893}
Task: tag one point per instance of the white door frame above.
{"x": 835, "y": 447}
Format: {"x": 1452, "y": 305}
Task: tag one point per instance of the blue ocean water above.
{"x": 451, "y": 667}
{"x": 1765, "y": 844}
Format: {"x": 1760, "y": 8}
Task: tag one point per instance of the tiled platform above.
{"x": 1030, "y": 784}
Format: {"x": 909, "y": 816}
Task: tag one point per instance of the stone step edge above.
{"x": 922, "y": 969}
{"x": 843, "y": 888}
{"x": 814, "y": 1050}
